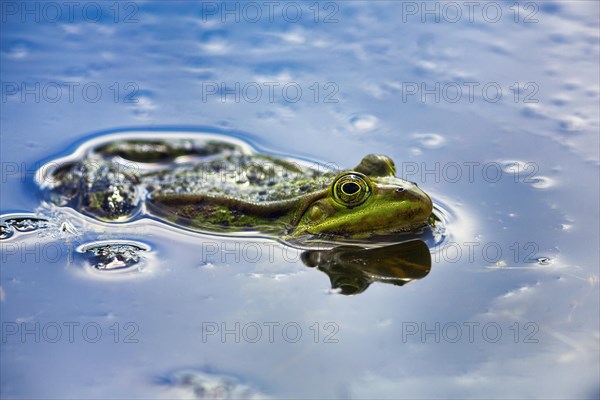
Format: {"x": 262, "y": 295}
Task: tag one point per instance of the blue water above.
{"x": 518, "y": 174}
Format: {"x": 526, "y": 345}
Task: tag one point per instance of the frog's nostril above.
{"x": 399, "y": 190}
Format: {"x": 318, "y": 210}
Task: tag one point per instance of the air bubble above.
{"x": 6, "y": 231}
{"x": 114, "y": 256}
{"x": 22, "y": 223}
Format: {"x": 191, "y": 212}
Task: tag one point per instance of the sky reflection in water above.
{"x": 517, "y": 277}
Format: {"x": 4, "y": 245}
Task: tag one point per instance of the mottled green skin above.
{"x": 221, "y": 186}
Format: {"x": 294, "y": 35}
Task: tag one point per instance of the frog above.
{"x": 220, "y": 184}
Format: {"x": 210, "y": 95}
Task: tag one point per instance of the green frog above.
{"x": 216, "y": 183}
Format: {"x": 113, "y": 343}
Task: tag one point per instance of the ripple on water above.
{"x": 525, "y": 172}
{"x": 429, "y": 140}
{"x": 443, "y": 218}
{"x": 364, "y": 122}
{"x": 542, "y": 182}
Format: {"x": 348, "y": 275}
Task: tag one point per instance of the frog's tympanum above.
{"x": 352, "y": 269}
{"x": 217, "y": 184}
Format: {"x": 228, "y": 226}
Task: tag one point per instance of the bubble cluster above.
{"x": 114, "y": 255}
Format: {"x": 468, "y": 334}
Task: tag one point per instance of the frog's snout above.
{"x": 426, "y": 205}
{"x": 422, "y": 205}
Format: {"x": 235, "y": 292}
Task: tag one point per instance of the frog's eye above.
{"x": 351, "y": 190}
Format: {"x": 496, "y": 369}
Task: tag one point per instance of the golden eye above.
{"x": 351, "y": 189}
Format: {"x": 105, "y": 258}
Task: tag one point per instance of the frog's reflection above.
{"x": 352, "y": 269}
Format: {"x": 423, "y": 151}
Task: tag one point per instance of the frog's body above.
{"x": 221, "y": 185}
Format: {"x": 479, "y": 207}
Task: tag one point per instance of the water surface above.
{"x": 510, "y": 306}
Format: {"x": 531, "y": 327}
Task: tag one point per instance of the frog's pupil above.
{"x": 350, "y": 188}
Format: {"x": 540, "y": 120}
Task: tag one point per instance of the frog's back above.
{"x": 251, "y": 178}
{"x": 208, "y": 183}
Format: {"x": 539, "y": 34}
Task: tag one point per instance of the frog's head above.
{"x": 367, "y": 200}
